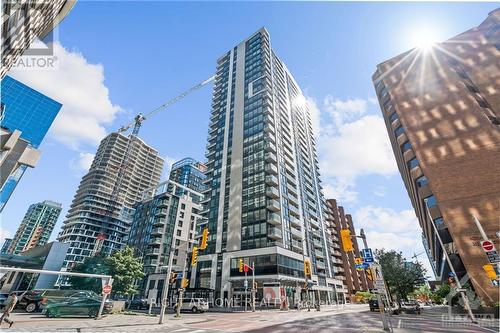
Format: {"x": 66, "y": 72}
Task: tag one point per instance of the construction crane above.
{"x": 124, "y": 163}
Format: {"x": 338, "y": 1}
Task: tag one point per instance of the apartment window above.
{"x": 179, "y": 232}
{"x": 422, "y": 181}
{"x": 183, "y": 206}
{"x": 393, "y": 117}
{"x": 412, "y": 163}
{"x": 398, "y": 131}
{"x": 439, "y": 222}
{"x": 405, "y": 146}
{"x": 430, "y": 201}
{"x": 180, "y": 223}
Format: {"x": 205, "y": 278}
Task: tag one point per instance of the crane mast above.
{"x": 124, "y": 163}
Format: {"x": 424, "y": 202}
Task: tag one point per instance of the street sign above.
{"x": 493, "y": 256}
{"x": 179, "y": 276}
{"x": 363, "y": 266}
{"x": 106, "y": 289}
{"x": 358, "y": 261}
{"x": 367, "y": 255}
{"x": 491, "y": 252}
{"x": 487, "y": 245}
{"x": 245, "y": 283}
{"x": 378, "y": 279}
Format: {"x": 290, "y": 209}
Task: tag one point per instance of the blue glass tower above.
{"x": 28, "y": 111}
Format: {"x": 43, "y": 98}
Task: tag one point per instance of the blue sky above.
{"x": 120, "y": 58}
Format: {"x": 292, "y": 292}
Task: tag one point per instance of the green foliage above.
{"x": 443, "y": 291}
{"x": 365, "y": 295}
{"x": 402, "y": 277}
{"x": 122, "y": 265}
{"x": 422, "y": 293}
{"x": 125, "y": 269}
{"x": 91, "y": 265}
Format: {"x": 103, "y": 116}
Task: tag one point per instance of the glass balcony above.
{"x": 272, "y": 192}
{"x": 295, "y": 222}
{"x": 320, "y": 264}
{"x": 294, "y": 211}
{"x": 272, "y": 180}
{"x": 297, "y": 245}
{"x": 270, "y": 147}
{"x": 157, "y": 231}
{"x": 297, "y": 234}
{"x": 270, "y": 157}
{"x": 274, "y": 233}
{"x": 274, "y": 219}
{"x": 273, "y": 205}
{"x": 159, "y": 222}
{"x": 319, "y": 254}
{"x": 270, "y": 168}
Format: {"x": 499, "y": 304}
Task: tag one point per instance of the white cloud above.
{"x": 82, "y": 163}
{"x": 380, "y": 191}
{"x": 343, "y": 110}
{"x": 79, "y": 86}
{"x": 341, "y": 191}
{"x": 360, "y": 148}
{"x": 387, "y": 220}
{"x": 4, "y": 234}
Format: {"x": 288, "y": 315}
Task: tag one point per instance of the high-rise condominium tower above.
{"x": 101, "y": 212}
{"x": 24, "y": 20}
{"x": 264, "y": 203}
{"x": 442, "y": 111}
{"x": 36, "y": 227}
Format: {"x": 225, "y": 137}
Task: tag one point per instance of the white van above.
{"x": 193, "y": 305}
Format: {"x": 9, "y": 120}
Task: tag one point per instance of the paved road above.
{"x": 352, "y": 318}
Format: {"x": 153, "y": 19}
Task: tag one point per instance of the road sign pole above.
{"x": 381, "y": 306}
{"x": 109, "y": 282}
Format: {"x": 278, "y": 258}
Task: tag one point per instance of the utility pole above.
{"x": 381, "y": 306}
{"x": 254, "y": 289}
{"x": 181, "y": 289}
{"x": 463, "y": 295}
{"x": 165, "y": 286}
{"x": 246, "y": 287}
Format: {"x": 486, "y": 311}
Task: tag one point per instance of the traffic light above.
{"x": 307, "y": 268}
{"x": 185, "y": 283}
{"x": 204, "y": 239}
{"x": 173, "y": 277}
{"x": 241, "y": 265}
{"x": 345, "y": 235}
{"x": 490, "y": 271}
{"x": 369, "y": 275}
{"x": 194, "y": 257}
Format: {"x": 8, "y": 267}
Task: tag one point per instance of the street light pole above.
{"x": 448, "y": 260}
{"x": 379, "y": 298}
{"x": 254, "y": 290}
{"x": 166, "y": 285}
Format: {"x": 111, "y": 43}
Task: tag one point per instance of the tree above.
{"x": 401, "y": 276}
{"x": 422, "y": 293}
{"x": 125, "y": 269}
{"x": 92, "y": 265}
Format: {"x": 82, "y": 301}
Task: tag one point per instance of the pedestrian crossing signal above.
{"x": 185, "y": 283}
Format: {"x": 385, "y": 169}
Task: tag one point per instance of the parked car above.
{"x": 76, "y": 306}
{"x": 410, "y": 307}
{"x": 193, "y": 304}
{"x": 138, "y": 304}
{"x": 373, "y": 303}
{"x": 35, "y": 300}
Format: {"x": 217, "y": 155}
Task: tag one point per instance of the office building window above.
{"x": 405, "y": 146}
{"x": 422, "y": 181}
{"x": 430, "y": 201}
{"x": 398, "y": 131}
